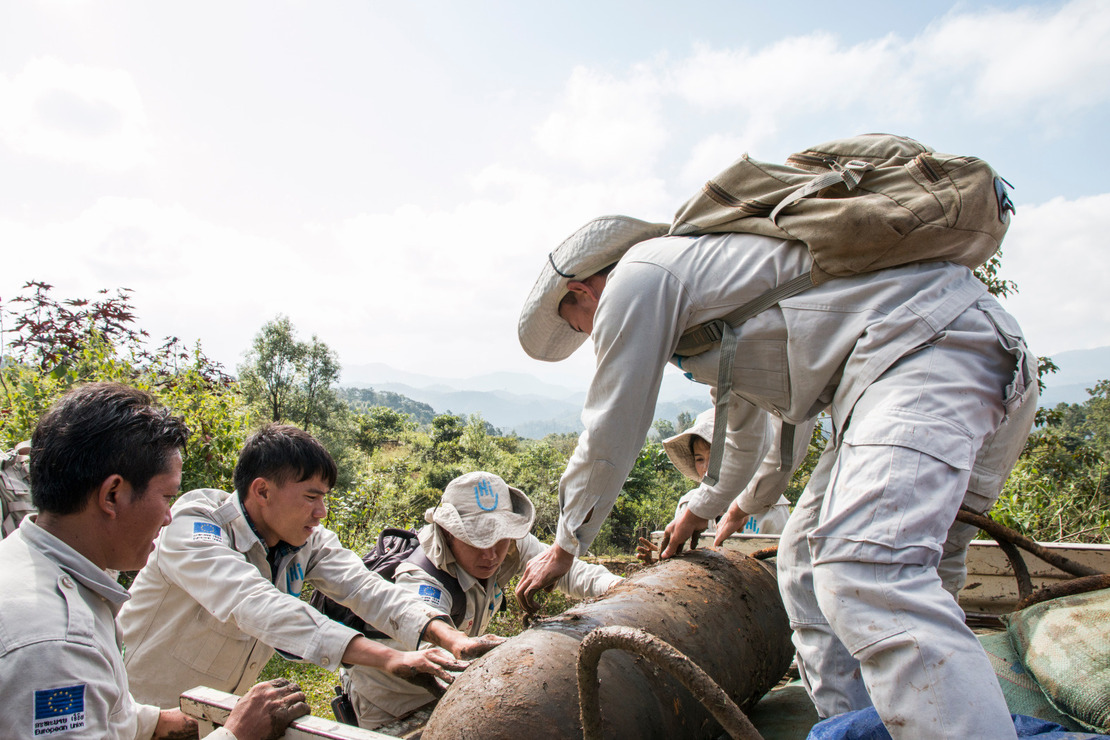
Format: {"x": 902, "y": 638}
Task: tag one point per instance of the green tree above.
{"x": 292, "y": 381}
{"x": 269, "y": 376}
{"x": 53, "y": 345}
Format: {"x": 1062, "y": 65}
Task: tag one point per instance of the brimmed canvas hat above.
{"x": 544, "y": 334}
{"x": 679, "y": 449}
{"x": 481, "y": 509}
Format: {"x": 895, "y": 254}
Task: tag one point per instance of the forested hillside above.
{"x": 396, "y": 455}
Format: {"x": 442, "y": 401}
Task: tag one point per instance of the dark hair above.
{"x": 95, "y": 431}
{"x": 279, "y": 452}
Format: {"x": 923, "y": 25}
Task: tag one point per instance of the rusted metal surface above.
{"x": 722, "y": 610}
{"x": 1067, "y": 588}
{"x": 991, "y": 588}
{"x": 640, "y": 643}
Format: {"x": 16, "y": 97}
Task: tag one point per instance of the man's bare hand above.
{"x": 686, "y": 527}
{"x": 476, "y": 647}
{"x": 733, "y": 521}
{"x": 267, "y": 709}
{"x": 173, "y": 724}
{"x": 645, "y": 551}
{"x": 423, "y": 667}
{"x": 541, "y": 575}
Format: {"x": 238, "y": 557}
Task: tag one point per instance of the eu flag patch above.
{"x": 206, "y": 532}
{"x": 59, "y": 710}
{"x": 431, "y": 594}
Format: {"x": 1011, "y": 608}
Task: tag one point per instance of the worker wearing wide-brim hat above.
{"x": 476, "y": 540}
{"x": 689, "y": 452}
{"x": 930, "y": 391}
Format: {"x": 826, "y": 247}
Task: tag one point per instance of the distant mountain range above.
{"x": 515, "y": 402}
{"x": 522, "y": 403}
{"x": 1080, "y": 369}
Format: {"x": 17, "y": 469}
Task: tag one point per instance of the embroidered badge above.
{"x": 431, "y": 595}
{"x": 484, "y": 494}
{"x": 206, "y": 532}
{"x": 59, "y": 710}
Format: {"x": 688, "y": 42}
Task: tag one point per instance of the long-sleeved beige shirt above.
{"x": 816, "y": 350}
{"x": 61, "y": 669}
{"x": 206, "y": 609}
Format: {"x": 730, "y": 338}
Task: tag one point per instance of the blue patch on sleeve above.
{"x": 206, "y": 532}
{"x": 59, "y": 710}
{"x": 431, "y": 594}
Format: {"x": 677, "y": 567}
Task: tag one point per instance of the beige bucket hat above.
{"x": 678, "y": 447}
{"x": 481, "y": 509}
{"x": 544, "y": 334}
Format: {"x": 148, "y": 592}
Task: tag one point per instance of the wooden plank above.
{"x": 211, "y": 709}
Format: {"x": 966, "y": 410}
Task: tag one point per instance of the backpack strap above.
{"x": 850, "y": 173}
{"x": 722, "y": 329}
{"x": 458, "y": 598}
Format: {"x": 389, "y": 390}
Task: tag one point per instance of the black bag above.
{"x": 394, "y": 546}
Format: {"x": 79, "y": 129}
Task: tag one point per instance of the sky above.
{"x": 392, "y": 175}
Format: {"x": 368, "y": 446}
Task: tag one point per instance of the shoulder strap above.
{"x": 722, "y": 329}
{"x": 458, "y": 598}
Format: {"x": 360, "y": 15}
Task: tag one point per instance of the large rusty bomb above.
{"x": 721, "y": 609}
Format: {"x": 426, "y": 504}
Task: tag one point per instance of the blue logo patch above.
{"x": 59, "y": 710}
{"x": 294, "y": 577}
{"x": 431, "y": 594}
{"x": 483, "y": 492}
{"x": 206, "y": 532}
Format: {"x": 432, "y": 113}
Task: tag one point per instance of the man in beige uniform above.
{"x": 222, "y": 588}
{"x": 477, "y": 540}
{"x": 931, "y": 392}
{"x": 106, "y": 465}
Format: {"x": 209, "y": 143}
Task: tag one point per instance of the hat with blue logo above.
{"x": 481, "y": 509}
{"x": 543, "y": 333}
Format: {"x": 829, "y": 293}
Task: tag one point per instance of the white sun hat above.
{"x": 544, "y": 334}
{"x": 481, "y": 509}
{"x": 680, "y": 447}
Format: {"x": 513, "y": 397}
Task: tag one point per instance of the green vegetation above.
{"x": 396, "y": 455}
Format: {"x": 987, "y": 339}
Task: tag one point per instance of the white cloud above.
{"x": 1053, "y": 60}
{"x": 1056, "y": 252}
{"x": 74, "y": 113}
{"x": 605, "y": 123}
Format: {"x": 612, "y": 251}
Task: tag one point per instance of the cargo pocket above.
{"x": 896, "y": 470}
{"x": 1009, "y": 335}
{"x": 215, "y": 648}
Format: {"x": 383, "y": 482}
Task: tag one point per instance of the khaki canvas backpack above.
{"x": 860, "y": 205}
{"x": 15, "y": 487}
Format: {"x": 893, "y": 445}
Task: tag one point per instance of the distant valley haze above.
{"x": 533, "y": 407}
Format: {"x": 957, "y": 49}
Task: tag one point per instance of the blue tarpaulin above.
{"x": 865, "y": 724}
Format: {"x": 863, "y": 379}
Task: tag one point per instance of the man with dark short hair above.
{"x": 222, "y": 589}
{"x": 105, "y": 468}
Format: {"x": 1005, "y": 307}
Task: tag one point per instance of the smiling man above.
{"x": 221, "y": 591}
{"x": 105, "y": 466}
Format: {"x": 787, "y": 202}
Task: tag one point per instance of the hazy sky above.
{"x": 392, "y": 175}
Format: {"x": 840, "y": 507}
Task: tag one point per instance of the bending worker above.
{"x": 221, "y": 590}
{"x": 477, "y": 540}
{"x": 931, "y": 391}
